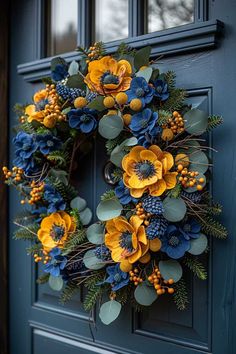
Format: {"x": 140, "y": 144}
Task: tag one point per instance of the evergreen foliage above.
{"x": 112, "y": 143}
{"x": 35, "y": 248}
{"x": 163, "y": 117}
{"x": 175, "y": 100}
{"x": 108, "y": 195}
{"x": 68, "y": 292}
{"x": 60, "y": 158}
{"x": 26, "y": 233}
{"x": 94, "y": 290}
{"x": 75, "y": 239}
{"x": 68, "y": 192}
{"x": 196, "y": 267}
{"x": 213, "y": 227}
{"x": 180, "y": 295}
{"x": 214, "y": 121}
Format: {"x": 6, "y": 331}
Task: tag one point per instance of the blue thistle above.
{"x": 68, "y": 93}
{"x": 102, "y": 252}
{"x": 157, "y": 227}
{"x": 152, "y": 205}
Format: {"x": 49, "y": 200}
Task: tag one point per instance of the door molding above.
{"x": 3, "y": 161}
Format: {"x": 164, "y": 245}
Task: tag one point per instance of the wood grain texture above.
{"x": 3, "y": 161}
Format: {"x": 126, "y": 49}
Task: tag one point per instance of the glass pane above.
{"x": 62, "y": 26}
{"x": 164, "y": 14}
{"x": 111, "y": 20}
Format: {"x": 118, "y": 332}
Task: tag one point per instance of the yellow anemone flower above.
{"x": 126, "y": 240}
{"x": 108, "y": 76}
{"x": 55, "y": 229}
{"x": 147, "y": 170}
{"x": 36, "y": 111}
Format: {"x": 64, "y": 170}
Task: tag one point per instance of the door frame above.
{"x": 4, "y": 40}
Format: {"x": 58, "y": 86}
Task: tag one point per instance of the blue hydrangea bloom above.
{"x": 38, "y": 212}
{"x": 123, "y": 194}
{"x": 54, "y": 199}
{"x": 143, "y": 122}
{"x": 190, "y": 229}
{"x": 174, "y": 243}
{"x": 25, "y": 146}
{"x": 56, "y": 263}
{"x": 48, "y": 143}
{"x": 116, "y": 277}
{"x": 149, "y": 138}
{"x": 60, "y": 72}
{"x": 139, "y": 88}
{"x": 161, "y": 89}
{"x": 84, "y": 119}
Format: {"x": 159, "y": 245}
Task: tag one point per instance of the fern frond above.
{"x": 24, "y": 217}
{"x": 213, "y": 227}
{"x": 34, "y": 248}
{"x": 60, "y": 158}
{"x": 75, "y": 239}
{"x": 68, "y": 192}
{"x": 169, "y": 77}
{"x": 94, "y": 290}
{"x": 214, "y": 121}
{"x": 28, "y": 232}
{"x": 68, "y": 292}
{"x": 175, "y": 192}
{"x": 180, "y": 295}
{"x": 196, "y": 267}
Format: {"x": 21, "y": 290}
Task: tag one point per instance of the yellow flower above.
{"x": 36, "y": 111}
{"x": 126, "y": 240}
{"x": 107, "y": 76}
{"x": 147, "y": 170}
{"x": 55, "y": 229}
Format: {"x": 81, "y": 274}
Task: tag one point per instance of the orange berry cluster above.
{"x": 44, "y": 257}
{"x": 135, "y": 277}
{"x": 142, "y": 214}
{"x": 94, "y": 52}
{"x": 16, "y": 173}
{"x": 36, "y": 193}
{"x": 188, "y": 178}
{"x": 161, "y": 286}
{"x": 53, "y": 108}
{"x": 175, "y": 123}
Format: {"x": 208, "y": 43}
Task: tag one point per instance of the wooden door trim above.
{"x": 4, "y": 37}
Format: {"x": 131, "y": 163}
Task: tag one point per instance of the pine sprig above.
{"x": 24, "y": 217}
{"x": 94, "y": 290}
{"x": 112, "y": 143}
{"x": 68, "y": 292}
{"x": 163, "y": 117}
{"x": 175, "y": 192}
{"x": 214, "y": 209}
{"x": 180, "y": 295}
{"x": 123, "y": 294}
{"x": 175, "y": 100}
{"x": 42, "y": 279}
{"x": 214, "y": 121}
{"x": 34, "y": 248}
{"x": 196, "y": 267}
{"x": 68, "y": 192}
{"x": 75, "y": 239}
{"x": 28, "y": 232}
{"x": 124, "y": 49}
{"x": 108, "y": 195}
{"x": 170, "y": 77}
{"x": 213, "y": 227}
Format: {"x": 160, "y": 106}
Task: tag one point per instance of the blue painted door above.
{"x": 38, "y": 323}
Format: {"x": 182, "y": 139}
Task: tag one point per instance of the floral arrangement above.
{"x": 156, "y": 221}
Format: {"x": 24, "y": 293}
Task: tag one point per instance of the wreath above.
{"x": 158, "y": 217}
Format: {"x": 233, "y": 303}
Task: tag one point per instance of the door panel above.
{"x": 39, "y": 323}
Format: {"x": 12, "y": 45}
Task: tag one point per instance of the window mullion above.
{"x": 85, "y": 22}
{"x": 137, "y": 17}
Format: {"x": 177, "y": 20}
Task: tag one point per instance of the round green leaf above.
{"x": 73, "y": 68}
{"x": 145, "y": 73}
{"x": 56, "y": 283}
{"x": 129, "y": 142}
{"x": 95, "y": 233}
{"x": 91, "y": 261}
{"x": 194, "y": 188}
{"x": 85, "y": 216}
{"x": 110, "y": 126}
{"x": 198, "y": 161}
{"x": 78, "y": 203}
{"x": 196, "y": 121}
{"x": 145, "y": 295}
{"x": 117, "y": 155}
{"x": 171, "y": 269}
{"x": 198, "y": 245}
{"x": 60, "y": 174}
{"x": 174, "y": 209}
{"x": 108, "y": 209}
{"x": 109, "y": 311}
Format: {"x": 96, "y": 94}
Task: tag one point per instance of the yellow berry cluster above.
{"x": 174, "y": 125}
{"x": 16, "y": 173}
{"x": 142, "y": 214}
{"x": 44, "y": 257}
{"x": 53, "y": 109}
{"x": 35, "y": 193}
{"x": 161, "y": 286}
{"x": 188, "y": 178}
{"x": 135, "y": 277}
{"x": 94, "y": 52}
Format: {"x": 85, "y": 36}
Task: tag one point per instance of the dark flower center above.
{"x": 126, "y": 241}
{"x": 26, "y": 146}
{"x": 174, "y": 241}
{"x": 117, "y": 277}
{"x": 159, "y": 89}
{"x": 187, "y": 228}
{"x": 57, "y": 232}
{"x": 41, "y": 104}
{"x": 85, "y": 118}
{"x": 50, "y": 143}
{"x": 108, "y": 78}
{"x": 139, "y": 92}
{"x": 144, "y": 169}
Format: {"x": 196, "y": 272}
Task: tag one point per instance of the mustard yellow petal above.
{"x": 169, "y": 159}
{"x": 135, "y": 182}
{"x": 122, "y": 225}
{"x": 134, "y": 257}
{"x": 137, "y": 193}
{"x": 142, "y": 235}
{"x": 148, "y": 155}
{"x": 110, "y": 87}
{"x": 158, "y": 188}
{"x": 29, "y": 110}
{"x": 157, "y": 151}
{"x": 110, "y": 226}
{"x": 136, "y": 222}
{"x": 134, "y": 240}
{"x": 126, "y": 64}
{"x": 116, "y": 254}
{"x": 134, "y": 154}
{"x": 112, "y": 240}
{"x": 158, "y": 169}
{"x": 170, "y": 179}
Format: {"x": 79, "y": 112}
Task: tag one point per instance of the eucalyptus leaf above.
{"x": 109, "y": 209}
{"x": 145, "y": 73}
{"x": 55, "y": 283}
{"x": 97, "y": 104}
{"x": 76, "y": 81}
{"x": 171, "y": 269}
{"x": 174, "y": 209}
{"x": 57, "y": 61}
{"x": 198, "y": 245}
{"x": 145, "y": 295}
{"x": 141, "y": 57}
{"x": 129, "y": 142}
{"x": 60, "y": 174}
{"x": 196, "y": 121}
{"x": 95, "y": 233}
{"x": 78, "y": 203}
{"x": 110, "y": 126}
{"x": 198, "y": 161}
{"x": 109, "y": 311}
{"x": 73, "y": 68}
{"x": 117, "y": 155}
{"x": 91, "y": 261}
{"x": 85, "y": 216}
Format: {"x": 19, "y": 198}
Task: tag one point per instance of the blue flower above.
{"x": 123, "y": 194}
{"x": 161, "y": 89}
{"x": 60, "y": 72}
{"x": 116, "y": 277}
{"x": 55, "y": 200}
{"x": 174, "y": 243}
{"x": 84, "y": 119}
{"x": 25, "y": 145}
{"x": 143, "y": 122}
{"x": 56, "y": 263}
{"x": 102, "y": 252}
{"x": 38, "y": 212}
{"x": 139, "y": 88}
{"x": 48, "y": 143}
{"x": 190, "y": 229}
{"x": 149, "y": 138}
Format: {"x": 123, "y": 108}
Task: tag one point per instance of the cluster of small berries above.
{"x": 174, "y": 126}
{"x": 15, "y": 174}
{"x": 35, "y": 194}
{"x": 190, "y": 178}
{"x": 161, "y": 286}
{"x": 53, "y": 109}
{"x": 135, "y": 277}
{"x": 94, "y": 52}
{"x": 68, "y": 93}
{"x": 42, "y": 257}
